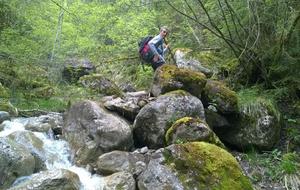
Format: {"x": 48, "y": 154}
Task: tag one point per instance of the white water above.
{"x": 57, "y": 154}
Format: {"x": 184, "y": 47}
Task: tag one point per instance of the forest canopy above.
{"x": 258, "y": 40}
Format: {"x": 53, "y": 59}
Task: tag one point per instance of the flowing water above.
{"x": 57, "y": 154}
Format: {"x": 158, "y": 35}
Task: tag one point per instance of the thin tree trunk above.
{"x": 58, "y": 32}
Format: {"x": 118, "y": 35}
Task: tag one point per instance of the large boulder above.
{"x": 190, "y": 129}
{"x": 156, "y": 117}
{"x": 257, "y": 125}
{"x": 217, "y": 94}
{"x": 33, "y": 144}
{"x": 118, "y": 161}
{"x": 169, "y": 77}
{"x": 120, "y": 180}
{"x": 100, "y": 84}
{"x": 158, "y": 177}
{"x": 15, "y": 161}
{"x": 200, "y": 165}
{"x": 92, "y": 131}
{"x": 59, "y": 179}
{"x": 182, "y": 61}
{"x": 75, "y": 68}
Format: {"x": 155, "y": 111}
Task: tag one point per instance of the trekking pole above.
{"x": 172, "y": 54}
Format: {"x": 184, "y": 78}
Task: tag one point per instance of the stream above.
{"x": 58, "y": 154}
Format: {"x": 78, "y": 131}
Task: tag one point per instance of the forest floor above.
{"x": 278, "y": 169}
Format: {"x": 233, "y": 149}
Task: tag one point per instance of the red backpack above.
{"x": 144, "y": 50}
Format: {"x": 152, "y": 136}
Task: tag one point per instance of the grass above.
{"x": 274, "y": 167}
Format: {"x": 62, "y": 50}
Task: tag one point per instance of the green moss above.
{"x": 187, "y": 122}
{"x": 177, "y": 93}
{"x": 4, "y": 92}
{"x": 205, "y": 166}
{"x": 224, "y": 98}
{"x": 169, "y": 76}
{"x": 252, "y": 101}
{"x": 5, "y": 105}
{"x": 174, "y": 126}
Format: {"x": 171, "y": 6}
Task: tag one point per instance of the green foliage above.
{"x": 273, "y": 165}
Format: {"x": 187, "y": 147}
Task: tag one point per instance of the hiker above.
{"x": 159, "y": 48}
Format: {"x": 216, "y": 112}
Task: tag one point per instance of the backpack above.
{"x": 144, "y": 50}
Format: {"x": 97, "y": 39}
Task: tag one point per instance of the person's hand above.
{"x": 156, "y": 58}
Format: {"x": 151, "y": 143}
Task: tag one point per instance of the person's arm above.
{"x": 153, "y": 43}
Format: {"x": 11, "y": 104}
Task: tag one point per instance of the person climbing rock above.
{"x": 159, "y": 48}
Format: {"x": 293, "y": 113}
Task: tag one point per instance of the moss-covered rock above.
{"x": 100, "y": 84}
{"x": 258, "y": 125}
{"x": 4, "y": 92}
{"x": 185, "y": 60}
{"x": 157, "y": 117}
{"x": 5, "y": 105}
{"x": 189, "y": 129}
{"x": 168, "y": 78}
{"x": 75, "y": 68}
{"x": 217, "y": 94}
{"x": 201, "y": 165}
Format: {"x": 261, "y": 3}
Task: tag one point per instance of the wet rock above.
{"x": 15, "y": 161}
{"x": 59, "y": 179}
{"x": 33, "y": 144}
{"x": 4, "y": 116}
{"x": 89, "y": 125}
{"x": 46, "y": 122}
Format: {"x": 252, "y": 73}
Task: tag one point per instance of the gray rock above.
{"x": 190, "y": 129}
{"x": 155, "y": 118}
{"x": 60, "y": 179}
{"x": 127, "y": 106}
{"x": 158, "y": 177}
{"x": 15, "y": 161}
{"x": 4, "y": 116}
{"x": 86, "y": 122}
{"x": 192, "y": 64}
{"x": 257, "y": 125}
{"x": 33, "y": 144}
{"x": 120, "y": 180}
{"x": 117, "y": 161}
